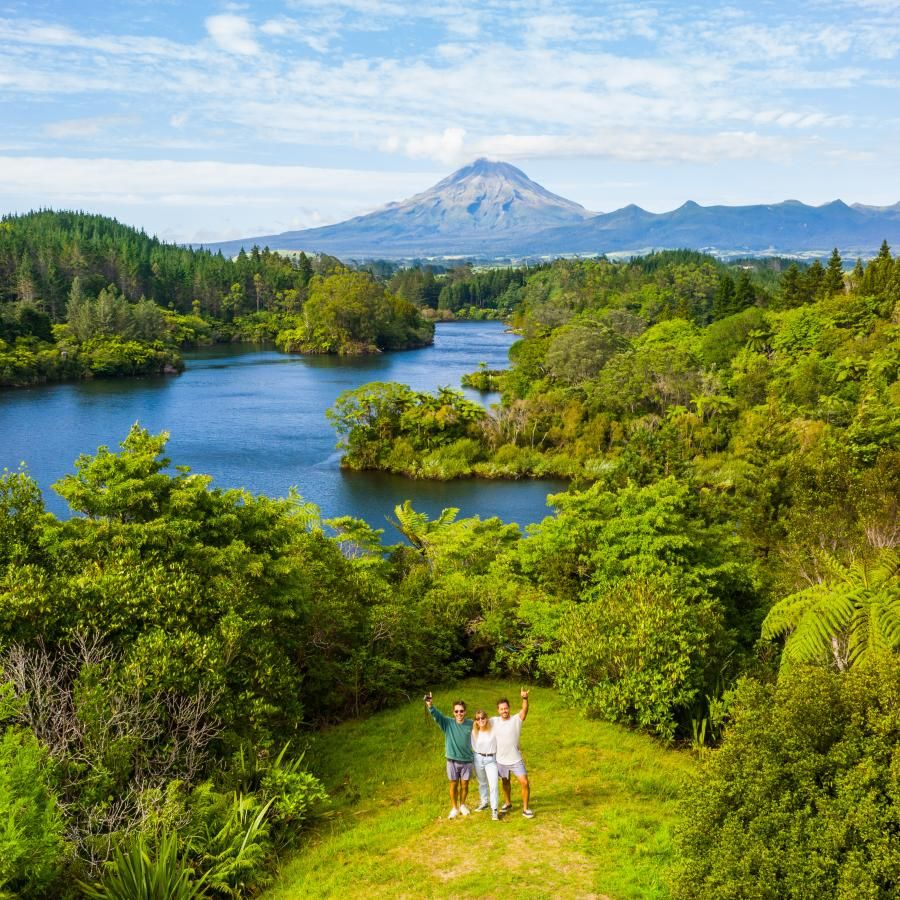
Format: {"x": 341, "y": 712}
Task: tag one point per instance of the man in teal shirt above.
{"x": 458, "y": 750}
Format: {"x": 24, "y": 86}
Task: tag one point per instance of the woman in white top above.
{"x": 484, "y": 746}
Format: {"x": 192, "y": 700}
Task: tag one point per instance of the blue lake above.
{"x": 255, "y": 418}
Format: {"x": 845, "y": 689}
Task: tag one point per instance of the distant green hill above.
{"x": 604, "y": 800}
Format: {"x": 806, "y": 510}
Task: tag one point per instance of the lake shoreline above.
{"x": 252, "y": 417}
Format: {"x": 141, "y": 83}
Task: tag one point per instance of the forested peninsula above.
{"x": 84, "y": 296}
{"x": 668, "y": 364}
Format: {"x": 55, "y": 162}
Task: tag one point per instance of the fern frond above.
{"x": 854, "y": 613}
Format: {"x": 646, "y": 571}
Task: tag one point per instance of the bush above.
{"x": 510, "y": 462}
{"x": 453, "y": 461}
{"x": 483, "y": 379}
{"x": 803, "y": 798}
{"x": 234, "y": 847}
{"x": 32, "y": 848}
{"x": 283, "y": 782}
{"x": 141, "y": 872}
{"x": 639, "y": 652}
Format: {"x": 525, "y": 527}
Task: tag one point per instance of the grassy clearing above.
{"x": 603, "y": 799}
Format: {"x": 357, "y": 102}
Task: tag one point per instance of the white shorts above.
{"x": 516, "y": 768}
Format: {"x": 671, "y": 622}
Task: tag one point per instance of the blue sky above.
{"x": 200, "y": 121}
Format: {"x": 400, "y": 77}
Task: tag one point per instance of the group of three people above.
{"x": 491, "y": 747}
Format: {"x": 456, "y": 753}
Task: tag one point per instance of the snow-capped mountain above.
{"x": 490, "y": 209}
{"x": 480, "y": 208}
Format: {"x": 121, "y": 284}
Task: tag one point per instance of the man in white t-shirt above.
{"x": 509, "y": 757}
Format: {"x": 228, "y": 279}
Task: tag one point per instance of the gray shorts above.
{"x": 516, "y": 768}
{"x": 459, "y": 771}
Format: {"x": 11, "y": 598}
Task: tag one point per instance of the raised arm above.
{"x": 441, "y": 720}
{"x": 524, "y": 710}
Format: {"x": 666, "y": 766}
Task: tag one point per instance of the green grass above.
{"x": 603, "y": 797}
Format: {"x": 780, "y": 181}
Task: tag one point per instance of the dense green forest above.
{"x": 665, "y": 365}
{"x": 723, "y": 573}
{"x": 83, "y": 296}
{"x": 463, "y": 292}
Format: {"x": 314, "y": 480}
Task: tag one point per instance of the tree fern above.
{"x": 851, "y": 615}
{"x": 416, "y": 526}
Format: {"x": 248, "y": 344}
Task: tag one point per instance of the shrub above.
{"x": 803, "y": 798}
{"x": 32, "y": 848}
{"x": 141, "y": 872}
{"x": 510, "y": 462}
{"x": 293, "y": 792}
{"x": 283, "y": 782}
{"x": 638, "y": 652}
{"x": 234, "y": 847}
{"x": 453, "y": 461}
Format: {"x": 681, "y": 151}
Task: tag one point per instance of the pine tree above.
{"x": 878, "y": 272}
{"x": 304, "y": 267}
{"x": 723, "y": 300}
{"x": 78, "y": 312}
{"x": 791, "y": 287}
{"x": 814, "y": 279}
{"x": 26, "y": 288}
{"x": 744, "y": 294}
{"x": 833, "y": 282}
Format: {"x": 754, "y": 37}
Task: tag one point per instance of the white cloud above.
{"x": 280, "y": 27}
{"x": 882, "y": 6}
{"x": 80, "y": 128}
{"x": 548, "y": 27}
{"x": 524, "y": 79}
{"x": 317, "y": 35}
{"x": 41, "y": 34}
{"x": 446, "y": 147}
{"x": 160, "y": 177}
{"x": 142, "y": 190}
{"x": 233, "y": 34}
{"x": 641, "y": 146}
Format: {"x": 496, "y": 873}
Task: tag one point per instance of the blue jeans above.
{"x": 486, "y": 772}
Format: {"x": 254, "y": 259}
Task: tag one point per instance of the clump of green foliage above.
{"x": 145, "y": 872}
{"x": 639, "y": 653}
{"x": 483, "y": 379}
{"x": 33, "y": 847}
{"x": 391, "y": 426}
{"x": 802, "y": 798}
{"x": 103, "y": 337}
{"x": 351, "y": 313}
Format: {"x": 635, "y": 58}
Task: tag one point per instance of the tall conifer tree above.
{"x": 834, "y": 275}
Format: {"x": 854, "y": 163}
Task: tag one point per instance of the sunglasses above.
{"x": 459, "y": 712}
{"x": 481, "y": 718}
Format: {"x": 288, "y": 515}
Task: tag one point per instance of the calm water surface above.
{"x": 255, "y": 418}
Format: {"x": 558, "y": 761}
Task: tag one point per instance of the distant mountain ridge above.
{"x": 494, "y": 209}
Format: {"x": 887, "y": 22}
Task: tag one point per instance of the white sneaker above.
{"x": 453, "y": 813}
{"x": 482, "y": 806}
{"x": 528, "y": 813}
{"x": 464, "y": 809}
